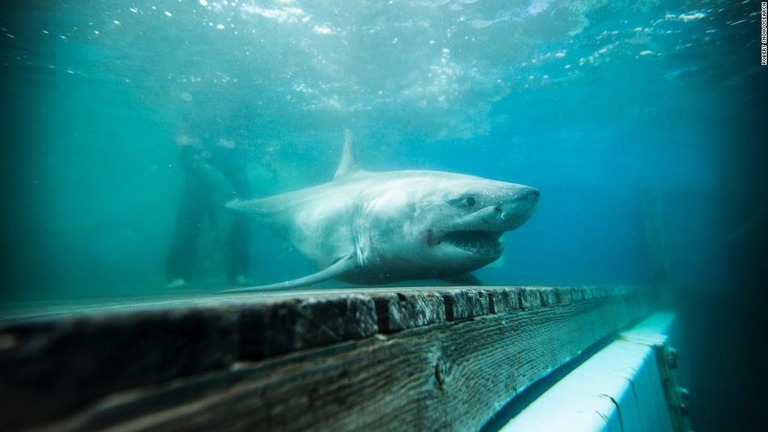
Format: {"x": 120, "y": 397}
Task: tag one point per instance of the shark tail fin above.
{"x": 258, "y": 207}
{"x": 348, "y": 162}
{"x": 268, "y": 212}
{"x": 341, "y": 266}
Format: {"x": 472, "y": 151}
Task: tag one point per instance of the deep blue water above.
{"x": 599, "y": 104}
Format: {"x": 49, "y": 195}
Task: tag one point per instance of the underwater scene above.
{"x": 189, "y": 147}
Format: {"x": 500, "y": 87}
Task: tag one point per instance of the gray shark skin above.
{"x": 382, "y": 227}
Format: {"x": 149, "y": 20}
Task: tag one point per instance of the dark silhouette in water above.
{"x": 215, "y": 174}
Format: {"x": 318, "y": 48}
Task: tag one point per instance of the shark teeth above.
{"x": 475, "y": 241}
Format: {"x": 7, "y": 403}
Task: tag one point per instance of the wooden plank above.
{"x": 420, "y": 359}
{"x": 50, "y": 367}
{"x": 268, "y": 329}
{"x": 402, "y": 310}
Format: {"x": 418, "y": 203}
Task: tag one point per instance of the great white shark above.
{"x": 382, "y": 227}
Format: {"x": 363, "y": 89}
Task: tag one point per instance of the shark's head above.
{"x": 437, "y": 224}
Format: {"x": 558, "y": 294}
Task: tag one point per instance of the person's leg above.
{"x": 239, "y": 250}
{"x": 240, "y": 228}
{"x": 183, "y": 253}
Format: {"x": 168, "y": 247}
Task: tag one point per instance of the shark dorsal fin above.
{"x": 348, "y": 164}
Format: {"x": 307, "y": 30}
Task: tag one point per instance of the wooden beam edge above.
{"x": 61, "y": 364}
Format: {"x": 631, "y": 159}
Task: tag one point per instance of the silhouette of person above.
{"x": 215, "y": 173}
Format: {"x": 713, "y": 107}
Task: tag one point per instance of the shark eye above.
{"x": 471, "y": 201}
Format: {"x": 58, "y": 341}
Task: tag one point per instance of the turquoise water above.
{"x": 604, "y": 106}
{"x": 599, "y": 105}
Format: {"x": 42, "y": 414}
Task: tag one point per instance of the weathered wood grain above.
{"x": 268, "y": 329}
{"x": 385, "y": 359}
{"x": 50, "y": 367}
{"x": 403, "y": 310}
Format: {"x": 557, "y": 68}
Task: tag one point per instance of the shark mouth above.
{"x": 475, "y": 242}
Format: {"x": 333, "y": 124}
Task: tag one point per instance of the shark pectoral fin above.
{"x": 345, "y": 264}
{"x": 466, "y": 279}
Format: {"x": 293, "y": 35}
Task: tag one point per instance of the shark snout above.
{"x": 527, "y": 194}
{"x": 519, "y": 209}
{"x": 532, "y": 194}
